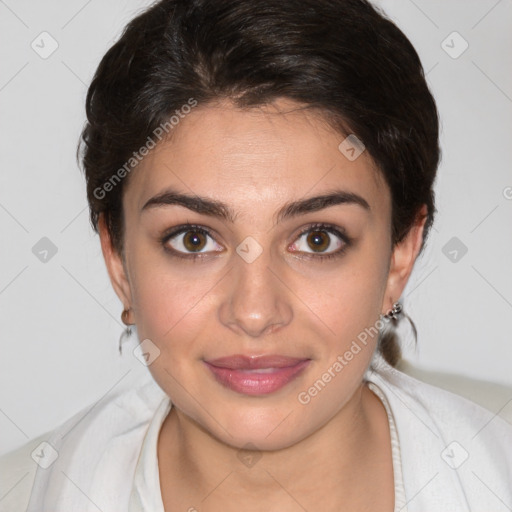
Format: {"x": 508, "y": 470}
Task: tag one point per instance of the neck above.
{"x": 328, "y": 470}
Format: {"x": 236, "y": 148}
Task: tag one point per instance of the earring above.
{"x": 394, "y": 312}
{"x": 127, "y": 331}
{"x": 124, "y": 316}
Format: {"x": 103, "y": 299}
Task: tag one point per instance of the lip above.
{"x": 258, "y": 375}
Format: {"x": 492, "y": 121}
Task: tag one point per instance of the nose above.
{"x": 256, "y": 302}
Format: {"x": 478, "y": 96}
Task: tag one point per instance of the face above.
{"x": 257, "y": 254}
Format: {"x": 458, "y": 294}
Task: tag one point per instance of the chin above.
{"x": 257, "y": 428}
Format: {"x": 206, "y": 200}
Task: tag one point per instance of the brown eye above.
{"x": 190, "y": 242}
{"x": 194, "y": 240}
{"x": 319, "y": 241}
{"x": 322, "y": 241}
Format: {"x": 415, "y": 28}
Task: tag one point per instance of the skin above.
{"x": 333, "y": 453}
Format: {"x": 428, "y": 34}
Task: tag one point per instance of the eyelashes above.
{"x": 317, "y": 229}
{"x": 190, "y": 237}
{"x": 179, "y": 233}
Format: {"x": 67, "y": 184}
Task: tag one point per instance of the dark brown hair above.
{"x": 342, "y": 57}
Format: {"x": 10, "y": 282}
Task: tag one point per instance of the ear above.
{"x": 115, "y": 266}
{"x": 402, "y": 260}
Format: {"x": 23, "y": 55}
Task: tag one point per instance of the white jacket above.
{"x": 449, "y": 454}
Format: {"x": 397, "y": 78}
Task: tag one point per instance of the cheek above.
{"x": 172, "y": 309}
{"x": 349, "y": 300}
{"x": 165, "y": 290}
{"x": 168, "y": 303}
{"x": 351, "y": 310}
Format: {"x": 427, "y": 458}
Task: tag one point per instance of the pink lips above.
{"x": 256, "y": 375}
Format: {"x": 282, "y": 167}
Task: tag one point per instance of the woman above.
{"x": 261, "y": 177}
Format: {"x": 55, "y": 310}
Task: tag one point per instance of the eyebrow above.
{"x": 214, "y": 208}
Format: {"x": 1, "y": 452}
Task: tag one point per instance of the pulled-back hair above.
{"x": 342, "y": 57}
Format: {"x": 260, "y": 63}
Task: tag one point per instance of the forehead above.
{"x": 272, "y": 153}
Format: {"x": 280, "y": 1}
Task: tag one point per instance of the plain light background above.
{"x": 60, "y": 319}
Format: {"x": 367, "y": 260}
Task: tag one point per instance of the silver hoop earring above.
{"x": 125, "y": 335}
{"x": 127, "y": 332}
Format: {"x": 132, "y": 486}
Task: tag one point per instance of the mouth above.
{"x": 259, "y": 375}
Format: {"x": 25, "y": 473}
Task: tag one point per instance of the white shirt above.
{"x": 449, "y": 454}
